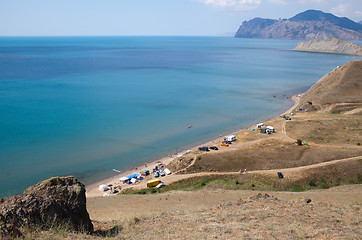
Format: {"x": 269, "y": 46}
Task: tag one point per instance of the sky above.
{"x": 152, "y": 17}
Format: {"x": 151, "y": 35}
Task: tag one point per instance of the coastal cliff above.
{"x": 306, "y": 25}
{"x": 329, "y": 46}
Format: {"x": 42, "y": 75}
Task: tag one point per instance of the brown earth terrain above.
{"x": 225, "y": 214}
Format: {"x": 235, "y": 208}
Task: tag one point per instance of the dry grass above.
{"x": 253, "y": 218}
{"x": 342, "y": 85}
{"x": 332, "y": 214}
{"x": 270, "y": 154}
{"x": 327, "y": 128}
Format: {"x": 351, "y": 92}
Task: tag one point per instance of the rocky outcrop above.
{"x": 58, "y": 200}
{"x": 306, "y": 25}
{"x": 329, "y": 46}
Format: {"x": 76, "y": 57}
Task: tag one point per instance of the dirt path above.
{"x": 288, "y": 172}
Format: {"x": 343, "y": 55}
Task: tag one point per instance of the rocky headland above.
{"x": 306, "y": 25}
{"x": 333, "y": 45}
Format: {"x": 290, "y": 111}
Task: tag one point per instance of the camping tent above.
{"x": 132, "y": 176}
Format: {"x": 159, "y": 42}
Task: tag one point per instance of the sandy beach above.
{"x": 92, "y": 189}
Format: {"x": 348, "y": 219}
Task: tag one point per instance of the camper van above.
{"x": 154, "y": 183}
{"x": 230, "y": 138}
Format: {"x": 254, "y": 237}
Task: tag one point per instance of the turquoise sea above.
{"x": 83, "y": 106}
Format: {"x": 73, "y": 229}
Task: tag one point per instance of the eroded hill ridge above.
{"x": 333, "y": 45}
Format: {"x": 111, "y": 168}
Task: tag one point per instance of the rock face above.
{"x": 58, "y": 200}
{"x": 329, "y": 46}
{"x": 306, "y": 25}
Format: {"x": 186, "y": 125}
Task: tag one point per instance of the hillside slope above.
{"x": 341, "y": 86}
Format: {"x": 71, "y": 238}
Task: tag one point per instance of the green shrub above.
{"x": 299, "y": 142}
{"x": 323, "y": 184}
{"x": 335, "y": 111}
{"x": 297, "y": 188}
{"x": 312, "y": 183}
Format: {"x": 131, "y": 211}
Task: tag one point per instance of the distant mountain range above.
{"x": 306, "y": 25}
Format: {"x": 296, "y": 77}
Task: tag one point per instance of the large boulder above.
{"x": 58, "y": 200}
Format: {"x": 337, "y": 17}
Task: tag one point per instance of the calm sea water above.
{"x": 85, "y": 105}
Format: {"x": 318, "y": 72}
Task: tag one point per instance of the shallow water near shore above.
{"x": 83, "y": 106}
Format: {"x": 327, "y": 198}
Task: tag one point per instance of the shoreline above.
{"x": 92, "y": 188}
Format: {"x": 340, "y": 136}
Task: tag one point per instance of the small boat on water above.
{"x": 116, "y": 170}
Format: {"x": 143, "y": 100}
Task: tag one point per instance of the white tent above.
{"x": 103, "y": 188}
{"x": 133, "y": 180}
{"x": 124, "y": 179}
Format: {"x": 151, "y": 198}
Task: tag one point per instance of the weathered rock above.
{"x": 329, "y": 46}
{"x": 58, "y": 200}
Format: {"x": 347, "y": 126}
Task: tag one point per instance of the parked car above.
{"x": 286, "y": 117}
{"x": 224, "y": 144}
{"x": 161, "y": 185}
{"x": 214, "y": 148}
{"x": 167, "y": 171}
{"x": 155, "y": 173}
{"x": 205, "y": 149}
{"x": 227, "y": 142}
{"x": 160, "y": 166}
{"x": 145, "y": 172}
{"x": 162, "y": 173}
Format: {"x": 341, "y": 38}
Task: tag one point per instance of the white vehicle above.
{"x": 260, "y": 125}
{"x": 161, "y": 185}
{"x": 270, "y": 128}
{"x": 230, "y": 138}
{"x": 167, "y": 171}
{"x": 103, "y": 188}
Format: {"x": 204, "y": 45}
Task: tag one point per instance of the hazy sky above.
{"x": 152, "y": 17}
